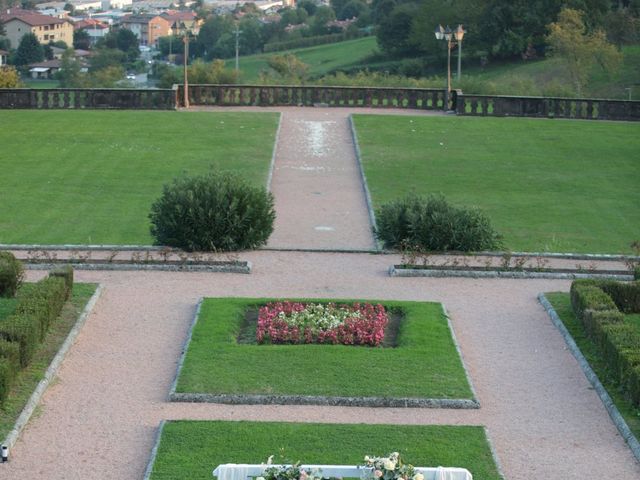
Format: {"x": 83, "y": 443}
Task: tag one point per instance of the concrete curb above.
{"x": 611, "y": 408}
{"x": 381, "y": 402}
{"x": 273, "y": 154}
{"x": 250, "y": 399}
{"x": 457, "y": 345}
{"x": 185, "y": 347}
{"x": 142, "y": 266}
{"x": 154, "y": 451}
{"x": 494, "y": 454}
{"x": 365, "y": 185}
{"x": 51, "y": 372}
{"x": 415, "y": 272}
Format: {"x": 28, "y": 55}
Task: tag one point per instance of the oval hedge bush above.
{"x": 432, "y": 224}
{"x": 212, "y": 212}
{"x": 11, "y": 274}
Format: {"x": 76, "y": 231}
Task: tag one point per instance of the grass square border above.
{"x": 425, "y": 369}
{"x": 193, "y": 448}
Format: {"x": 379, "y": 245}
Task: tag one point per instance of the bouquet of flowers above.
{"x": 288, "y": 472}
{"x": 391, "y": 468}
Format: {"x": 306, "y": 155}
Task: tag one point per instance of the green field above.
{"x": 90, "y": 177}
{"x": 562, "y": 304}
{"x": 29, "y": 377}
{"x": 190, "y": 450}
{"x": 425, "y": 363}
{"x": 547, "y": 185}
{"x": 321, "y": 59}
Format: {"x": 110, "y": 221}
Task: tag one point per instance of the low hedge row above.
{"x": 24, "y": 330}
{"x": 305, "y": 42}
{"x": 599, "y": 305}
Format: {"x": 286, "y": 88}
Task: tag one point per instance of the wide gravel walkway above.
{"x": 99, "y": 419}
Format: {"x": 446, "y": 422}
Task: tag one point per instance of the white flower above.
{"x": 259, "y": 478}
{"x": 389, "y": 464}
{"x": 418, "y": 476}
{"x": 366, "y": 458}
{"x": 269, "y": 460}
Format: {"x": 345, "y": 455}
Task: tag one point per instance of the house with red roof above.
{"x": 18, "y": 22}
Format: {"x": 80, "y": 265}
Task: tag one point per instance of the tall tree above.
{"x": 581, "y": 50}
{"x": 29, "y": 50}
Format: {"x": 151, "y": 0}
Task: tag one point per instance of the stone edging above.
{"x": 154, "y": 451}
{"x": 365, "y": 185}
{"x": 425, "y": 272}
{"x": 185, "y": 347}
{"x": 51, "y": 372}
{"x": 457, "y": 345}
{"x": 250, "y": 399}
{"x": 246, "y": 268}
{"x": 273, "y": 154}
{"x": 611, "y": 408}
{"x": 494, "y": 454}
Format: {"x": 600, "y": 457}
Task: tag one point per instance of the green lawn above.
{"x": 29, "y": 377}
{"x": 547, "y": 185}
{"x": 425, "y": 364}
{"x": 321, "y": 59}
{"x": 192, "y": 449}
{"x": 562, "y": 304}
{"x": 90, "y": 177}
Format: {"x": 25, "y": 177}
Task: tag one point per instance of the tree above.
{"x": 9, "y": 77}
{"x": 394, "y": 32}
{"x": 29, "y": 50}
{"x": 105, "y": 58}
{"x": 81, "y": 40}
{"x": 353, "y": 8}
{"x": 127, "y": 42}
{"x": 69, "y": 74}
{"x": 289, "y": 67}
{"x": 309, "y": 5}
{"x": 323, "y": 16}
{"x": 581, "y": 50}
{"x": 251, "y": 37}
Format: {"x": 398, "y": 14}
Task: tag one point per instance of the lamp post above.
{"x": 448, "y": 35}
{"x": 238, "y": 32}
{"x": 185, "y": 39}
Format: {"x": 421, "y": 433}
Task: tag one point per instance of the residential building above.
{"x": 18, "y": 22}
{"x": 3, "y": 57}
{"x": 116, "y": 4}
{"x": 147, "y": 27}
{"x": 182, "y": 21}
{"x": 95, "y": 28}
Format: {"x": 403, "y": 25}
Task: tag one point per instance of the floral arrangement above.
{"x": 295, "y": 322}
{"x": 391, "y": 468}
{"x": 288, "y": 472}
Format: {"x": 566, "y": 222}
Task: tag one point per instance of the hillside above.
{"x": 321, "y": 59}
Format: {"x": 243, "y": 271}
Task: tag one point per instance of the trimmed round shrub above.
{"x": 212, "y": 212}
{"x": 432, "y": 224}
{"x": 11, "y": 274}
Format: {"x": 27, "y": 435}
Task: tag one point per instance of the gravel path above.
{"x": 316, "y": 182}
{"x": 99, "y": 419}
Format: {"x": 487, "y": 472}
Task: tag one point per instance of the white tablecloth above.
{"x": 240, "y": 471}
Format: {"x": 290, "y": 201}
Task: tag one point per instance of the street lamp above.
{"x": 185, "y": 39}
{"x": 449, "y": 36}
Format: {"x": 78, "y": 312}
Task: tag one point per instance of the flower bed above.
{"x": 295, "y": 322}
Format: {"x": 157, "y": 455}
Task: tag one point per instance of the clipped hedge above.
{"x": 618, "y": 342}
{"x": 66, "y": 273}
{"x": 432, "y": 224}
{"x": 6, "y": 378}
{"x": 23, "y": 331}
{"x": 212, "y": 212}
{"x": 11, "y": 274}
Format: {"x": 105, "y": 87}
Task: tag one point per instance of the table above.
{"x": 242, "y": 471}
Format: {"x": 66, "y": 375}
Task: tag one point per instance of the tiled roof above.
{"x": 29, "y": 17}
{"x": 143, "y": 18}
{"x": 174, "y": 16}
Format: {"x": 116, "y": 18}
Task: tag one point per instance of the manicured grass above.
{"x": 90, "y": 177}
{"x": 321, "y": 59}
{"x": 29, "y": 377}
{"x": 192, "y": 449}
{"x": 562, "y": 304}
{"x": 560, "y": 186}
{"x": 425, "y": 364}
